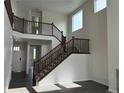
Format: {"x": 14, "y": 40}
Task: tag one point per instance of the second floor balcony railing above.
{"x": 33, "y": 27}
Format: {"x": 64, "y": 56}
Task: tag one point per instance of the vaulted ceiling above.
{"x": 59, "y": 6}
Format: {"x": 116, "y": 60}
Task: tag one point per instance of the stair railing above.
{"x": 31, "y": 27}
{"x": 75, "y": 45}
{"x": 39, "y": 28}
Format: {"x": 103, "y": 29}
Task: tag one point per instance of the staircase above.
{"x": 51, "y": 60}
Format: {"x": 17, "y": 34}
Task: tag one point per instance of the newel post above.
{"x": 62, "y": 37}
{"x": 34, "y": 73}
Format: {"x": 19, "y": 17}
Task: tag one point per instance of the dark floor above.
{"x": 21, "y": 80}
{"x": 87, "y": 87}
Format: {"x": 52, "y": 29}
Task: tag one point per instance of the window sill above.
{"x": 77, "y": 30}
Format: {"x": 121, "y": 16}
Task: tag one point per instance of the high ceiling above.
{"x": 59, "y": 6}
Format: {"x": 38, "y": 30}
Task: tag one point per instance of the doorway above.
{"x": 19, "y": 55}
{"x": 35, "y": 53}
{"x": 18, "y": 74}
{"x": 17, "y": 60}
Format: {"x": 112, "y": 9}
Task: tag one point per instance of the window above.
{"x": 37, "y": 32}
{"x": 16, "y": 48}
{"x": 77, "y": 21}
{"x": 36, "y": 25}
{"x": 99, "y": 5}
{"x": 34, "y": 53}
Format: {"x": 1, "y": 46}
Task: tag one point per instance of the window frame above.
{"x": 95, "y": 7}
{"x": 72, "y": 18}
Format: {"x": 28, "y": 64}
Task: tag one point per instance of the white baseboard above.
{"x": 100, "y": 82}
{"x": 113, "y": 91}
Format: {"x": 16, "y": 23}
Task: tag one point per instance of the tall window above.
{"x": 34, "y": 53}
{"x": 77, "y": 21}
{"x": 99, "y": 5}
{"x": 36, "y": 25}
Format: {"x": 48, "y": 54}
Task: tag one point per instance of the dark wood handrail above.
{"x": 57, "y": 28}
{"x": 17, "y": 17}
{"x": 32, "y": 21}
{"x": 8, "y": 7}
{"x": 37, "y": 22}
{"x": 81, "y": 39}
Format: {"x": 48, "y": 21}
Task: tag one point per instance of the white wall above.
{"x": 74, "y": 68}
{"x": 98, "y": 48}
{"x": 46, "y": 47}
{"x": 113, "y": 42}
{"x": 8, "y": 43}
{"x": 81, "y": 33}
{"x": 59, "y": 20}
{"x": 95, "y": 28}
{"x": 19, "y": 10}
{"x": 18, "y": 35}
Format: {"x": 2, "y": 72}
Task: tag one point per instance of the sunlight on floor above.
{"x": 18, "y": 90}
{"x": 46, "y": 88}
{"x": 70, "y": 85}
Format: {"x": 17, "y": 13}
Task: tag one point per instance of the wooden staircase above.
{"x": 51, "y": 60}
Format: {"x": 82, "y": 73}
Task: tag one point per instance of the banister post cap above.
{"x": 73, "y": 37}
